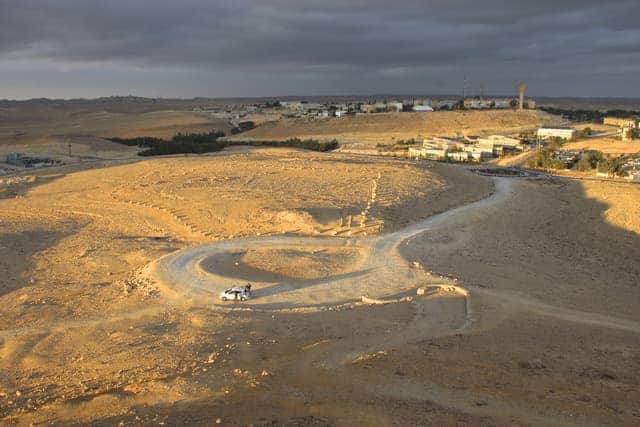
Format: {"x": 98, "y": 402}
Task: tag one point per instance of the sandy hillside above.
{"x": 578, "y": 247}
{"x": 56, "y": 131}
{"x": 84, "y": 337}
{"x": 534, "y": 321}
{"x": 536, "y": 325}
{"x": 606, "y": 145}
{"x": 384, "y": 128}
{"x": 95, "y": 227}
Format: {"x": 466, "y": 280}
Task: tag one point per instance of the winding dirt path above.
{"x": 382, "y": 273}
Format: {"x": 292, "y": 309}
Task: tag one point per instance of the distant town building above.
{"x": 25, "y": 161}
{"x": 500, "y": 144}
{"x": 621, "y": 122}
{"x": 432, "y": 153}
{"x": 446, "y": 104}
{"x": 556, "y": 132}
{"x": 373, "y": 108}
{"x": 502, "y": 103}
{"x": 422, "y": 108}
{"x": 460, "y": 156}
{"x": 396, "y": 106}
{"x": 627, "y": 133}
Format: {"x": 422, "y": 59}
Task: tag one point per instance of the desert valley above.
{"x": 385, "y": 290}
{"x": 319, "y": 213}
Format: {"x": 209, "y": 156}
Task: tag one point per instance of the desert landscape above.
{"x": 319, "y": 213}
{"x": 384, "y": 290}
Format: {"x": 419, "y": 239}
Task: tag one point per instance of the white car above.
{"x": 235, "y": 294}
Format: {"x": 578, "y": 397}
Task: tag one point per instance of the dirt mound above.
{"x": 273, "y": 265}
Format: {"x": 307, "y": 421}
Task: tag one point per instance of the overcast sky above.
{"x": 218, "y": 48}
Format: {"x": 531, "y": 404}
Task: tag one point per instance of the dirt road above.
{"x": 379, "y": 272}
{"x": 504, "y": 343}
{"x": 385, "y": 277}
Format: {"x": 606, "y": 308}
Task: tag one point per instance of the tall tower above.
{"x": 464, "y": 87}
{"x": 521, "y": 89}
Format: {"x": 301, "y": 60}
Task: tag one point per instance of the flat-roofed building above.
{"x": 556, "y": 132}
{"x": 433, "y": 153}
{"x": 396, "y": 106}
{"x": 621, "y": 122}
{"x": 505, "y": 141}
{"x": 481, "y": 153}
{"x": 459, "y": 156}
{"x": 439, "y": 142}
{"x": 422, "y": 108}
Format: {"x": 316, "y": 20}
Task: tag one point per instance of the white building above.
{"x": 459, "y": 156}
{"x": 396, "y": 106}
{"x": 502, "y": 103}
{"x": 556, "y": 132}
{"x": 292, "y": 105}
{"x": 438, "y": 142}
{"x": 505, "y": 141}
{"x": 422, "y": 108}
{"x": 428, "y": 153}
{"x": 481, "y": 153}
{"x": 620, "y": 122}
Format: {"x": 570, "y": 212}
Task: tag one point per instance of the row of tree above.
{"x": 199, "y": 143}
{"x": 307, "y": 144}
{"x": 181, "y": 143}
{"x": 589, "y": 161}
{"x": 545, "y": 159}
{"x": 594, "y": 116}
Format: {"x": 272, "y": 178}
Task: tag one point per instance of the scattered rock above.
{"x": 532, "y": 364}
{"x": 597, "y": 373}
{"x": 140, "y": 284}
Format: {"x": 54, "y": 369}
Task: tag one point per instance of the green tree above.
{"x": 588, "y": 161}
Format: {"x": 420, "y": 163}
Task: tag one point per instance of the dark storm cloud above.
{"x": 333, "y": 45}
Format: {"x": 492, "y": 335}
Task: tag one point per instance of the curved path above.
{"x": 381, "y": 272}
